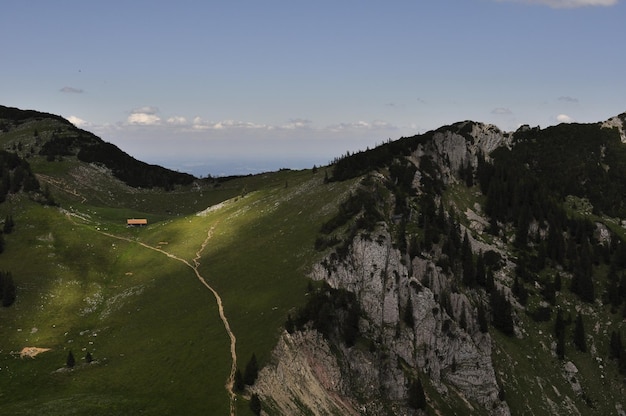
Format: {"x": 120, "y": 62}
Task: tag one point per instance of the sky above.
{"x": 235, "y": 87}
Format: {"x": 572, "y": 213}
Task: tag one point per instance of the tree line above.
{"x": 91, "y": 149}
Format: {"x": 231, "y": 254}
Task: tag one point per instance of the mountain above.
{"x": 31, "y": 133}
{"x": 462, "y": 271}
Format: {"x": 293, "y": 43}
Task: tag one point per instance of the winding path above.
{"x": 196, "y": 264}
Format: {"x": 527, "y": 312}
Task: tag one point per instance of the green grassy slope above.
{"x": 153, "y": 329}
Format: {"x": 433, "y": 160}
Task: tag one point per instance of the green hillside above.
{"x": 115, "y": 320}
{"x": 87, "y": 283}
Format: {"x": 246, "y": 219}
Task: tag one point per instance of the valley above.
{"x": 437, "y": 274}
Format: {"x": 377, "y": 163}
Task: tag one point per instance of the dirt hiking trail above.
{"x": 194, "y": 266}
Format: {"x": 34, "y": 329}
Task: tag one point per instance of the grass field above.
{"x": 153, "y": 329}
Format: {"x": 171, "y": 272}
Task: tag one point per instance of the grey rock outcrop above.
{"x": 450, "y": 149}
{"x": 304, "y": 374}
{"x": 375, "y": 380}
{"x": 436, "y": 345}
{"x": 440, "y": 342}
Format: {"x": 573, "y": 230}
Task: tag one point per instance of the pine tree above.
{"x": 579, "y": 334}
{"x": 615, "y": 350}
{"x": 408, "y": 318}
{"x": 417, "y": 398}
{"x": 520, "y": 291}
{"x": 251, "y": 372}
{"x": 560, "y": 345}
{"x": 238, "y": 383}
{"x": 502, "y": 312}
{"x": 289, "y": 324}
{"x": 255, "y": 404}
{"x": 8, "y": 224}
{"x": 559, "y": 324}
{"x": 490, "y": 283}
{"x": 467, "y": 261}
{"x": 559, "y": 331}
{"x": 483, "y": 323}
{"x": 463, "y": 320}
{"x": 558, "y": 285}
{"x": 88, "y": 358}
{"x": 71, "y": 361}
{"x": 7, "y": 289}
{"x": 481, "y": 270}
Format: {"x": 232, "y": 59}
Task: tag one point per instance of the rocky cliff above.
{"x": 389, "y": 285}
{"x": 422, "y": 317}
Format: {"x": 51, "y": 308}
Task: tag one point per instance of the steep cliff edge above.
{"x": 460, "y": 256}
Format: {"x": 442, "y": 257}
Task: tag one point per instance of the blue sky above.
{"x": 225, "y": 87}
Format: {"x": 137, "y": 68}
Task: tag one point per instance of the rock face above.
{"x": 326, "y": 379}
{"x": 451, "y": 148}
{"x": 618, "y": 123}
{"x": 410, "y": 334}
{"x": 435, "y": 345}
{"x": 419, "y": 318}
{"x": 304, "y": 374}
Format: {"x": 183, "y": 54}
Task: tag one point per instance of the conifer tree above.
{"x": 251, "y": 372}
{"x": 238, "y": 383}
{"x": 502, "y": 312}
{"x": 255, "y": 404}
{"x": 560, "y": 345}
{"x": 490, "y": 281}
{"x": 481, "y": 270}
{"x": 71, "y": 361}
{"x": 483, "y": 323}
{"x": 289, "y": 324}
{"x": 7, "y": 228}
{"x": 467, "y": 259}
{"x": 558, "y": 285}
{"x": 408, "y": 318}
{"x": 520, "y": 291}
{"x": 579, "y": 334}
{"x": 559, "y": 324}
{"x": 417, "y": 398}
{"x": 7, "y": 289}
{"x": 559, "y": 331}
{"x": 88, "y": 358}
{"x": 615, "y": 350}
{"x": 463, "y": 320}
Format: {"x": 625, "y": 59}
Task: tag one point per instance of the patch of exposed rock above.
{"x": 450, "y": 149}
{"x": 618, "y": 123}
{"x": 304, "y": 377}
{"x": 454, "y": 360}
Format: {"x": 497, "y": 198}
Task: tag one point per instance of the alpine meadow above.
{"x": 465, "y": 270}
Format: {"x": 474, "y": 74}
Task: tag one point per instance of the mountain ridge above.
{"x": 439, "y": 273}
{"x": 390, "y": 280}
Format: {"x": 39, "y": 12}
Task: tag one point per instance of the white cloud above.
{"x": 148, "y": 109}
{"x": 200, "y": 124}
{"x": 501, "y": 111}
{"x": 297, "y": 123}
{"x": 145, "y": 116}
{"x": 177, "y": 120}
{"x": 143, "y": 119}
{"x": 362, "y": 125}
{"x": 71, "y": 90}
{"x": 78, "y": 122}
{"x": 564, "y": 118}
{"x": 566, "y": 4}
{"x": 235, "y": 124}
